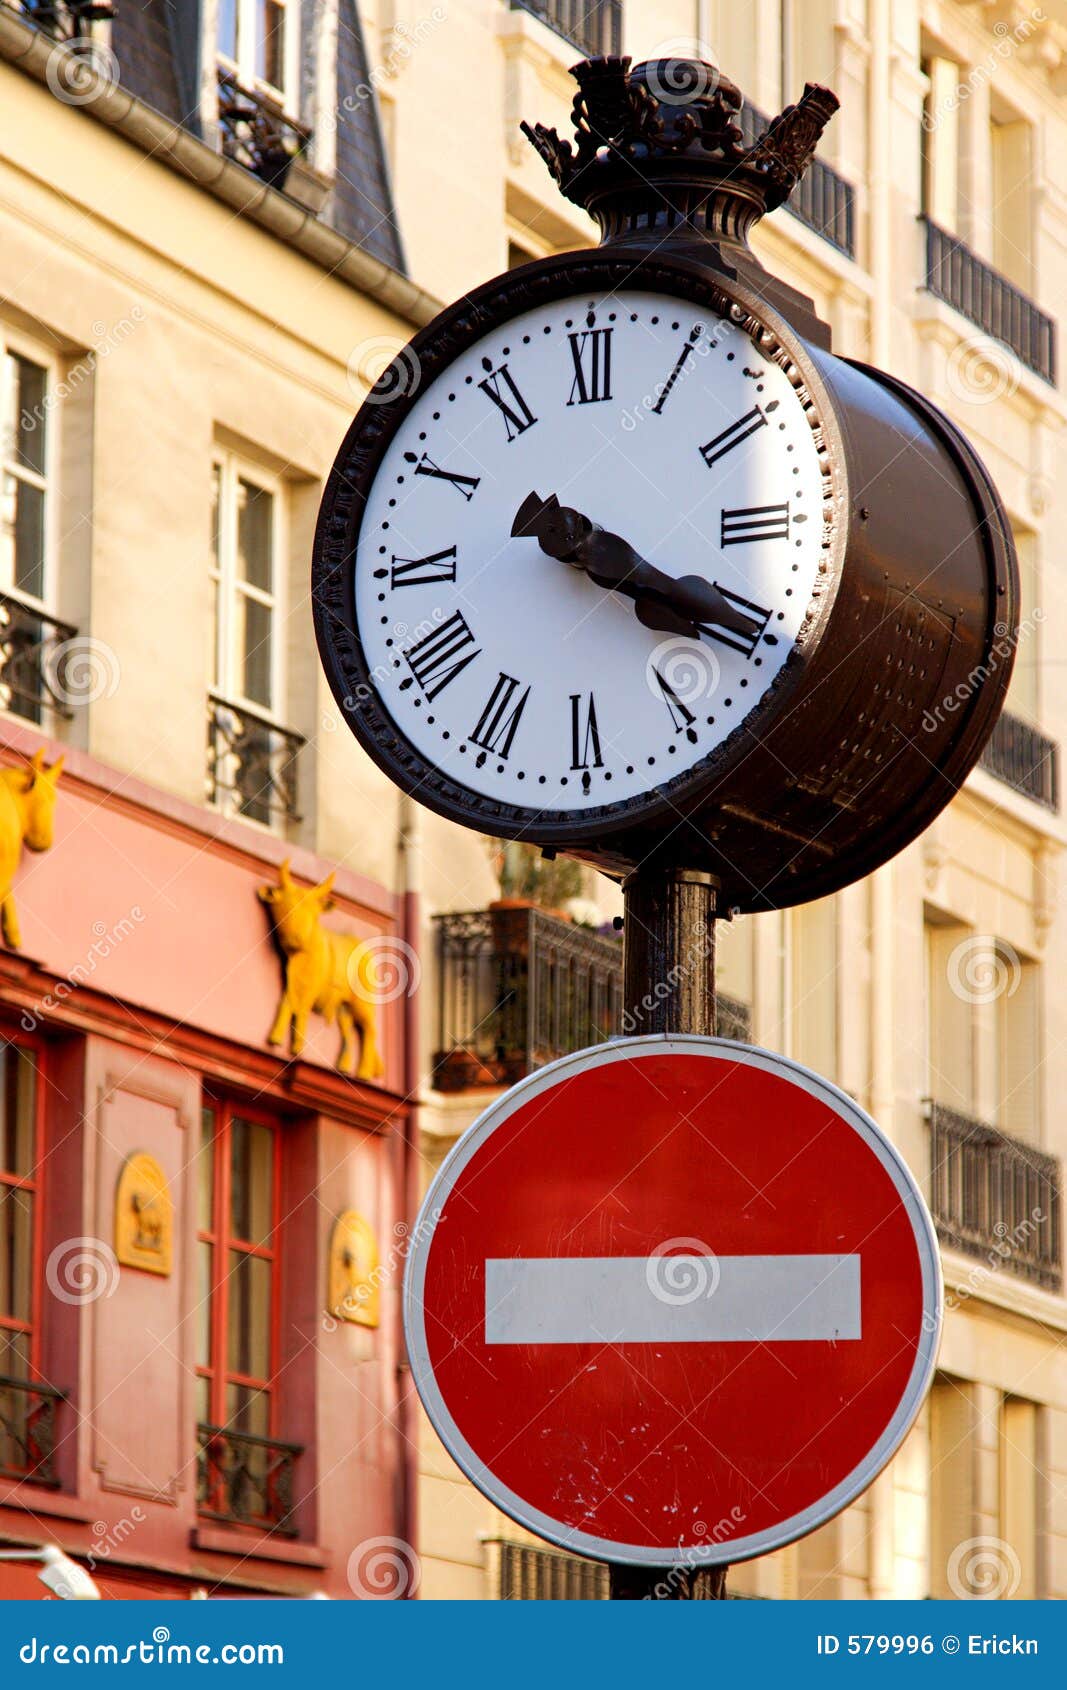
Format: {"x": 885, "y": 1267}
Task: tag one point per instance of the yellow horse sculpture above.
{"x": 330, "y": 973}
{"x": 27, "y": 811}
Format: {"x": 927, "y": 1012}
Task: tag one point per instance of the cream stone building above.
{"x": 218, "y": 221}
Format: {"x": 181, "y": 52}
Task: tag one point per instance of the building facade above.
{"x": 219, "y": 221}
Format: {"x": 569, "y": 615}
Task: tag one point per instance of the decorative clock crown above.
{"x": 657, "y": 148}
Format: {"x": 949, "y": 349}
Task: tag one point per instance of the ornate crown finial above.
{"x": 659, "y": 146}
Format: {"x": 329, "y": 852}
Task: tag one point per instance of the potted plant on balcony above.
{"x": 530, "y": 881}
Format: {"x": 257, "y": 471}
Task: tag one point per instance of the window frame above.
{"x": 220, "y": 1238}
{"x": 13, "y": 344}
{"x": 231, "y": 468}
{"x": 35, "y": 1185}
{"x": 243, "y": 66}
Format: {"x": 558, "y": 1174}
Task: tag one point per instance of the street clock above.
{"x": 620, "y": 559}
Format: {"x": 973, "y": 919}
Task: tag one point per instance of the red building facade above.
{"x": 180, "y": 1408}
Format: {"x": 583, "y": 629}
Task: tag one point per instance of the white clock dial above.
{"x": 516, "y": 674}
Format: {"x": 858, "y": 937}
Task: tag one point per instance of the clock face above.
{"x": 566, "y": 686}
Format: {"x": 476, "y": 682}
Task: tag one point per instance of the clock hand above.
{"x": 683, "y": 606}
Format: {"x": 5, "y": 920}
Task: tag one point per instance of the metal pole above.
{"x": 668, "y": 987}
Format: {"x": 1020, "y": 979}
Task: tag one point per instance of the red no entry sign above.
{"x": 673, "y": 1299}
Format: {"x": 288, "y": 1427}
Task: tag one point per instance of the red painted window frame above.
{"x": 34, "y": 1183}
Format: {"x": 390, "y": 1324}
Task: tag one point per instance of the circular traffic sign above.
{"x": 673, "y": 1300}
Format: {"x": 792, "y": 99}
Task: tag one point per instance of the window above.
{"x": 258, "y": 41}
{"x": 813, "y": 944}
{"x": 941, "y": 142}
{"x": 245, "y": 1472}
{"x": 23, "y": 530}
{"x": 951, "y": 962}
{"x": 1017, "y": 1045}
{"x": 953, "y": 1468}
{"x": 1019, "y": 1476}
{"x": 1011, "y": 183}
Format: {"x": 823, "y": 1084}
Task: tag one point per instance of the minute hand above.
{"x": 687, "y": 605}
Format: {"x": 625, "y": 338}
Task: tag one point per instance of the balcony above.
{"x": 528, "y": 1574}
{"x": 972, "y": 287}
{"x": 519, "y": 988}
{"x": 251, "y": 764}
{"x": 593, "y": 27}
{"x": 1025, "y": 760}
{"x": 28, "y": 1431}
{"x": 68, "y": 20}
{"x": 822, "y": 200}
{"x": 256, "y": 133}
{"x": 36, "y": 653}
{"x": 995, "y": 1197}
{"x": 245, "y": 1480}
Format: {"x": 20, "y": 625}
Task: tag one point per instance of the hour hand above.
{"x": 558, "y": 530}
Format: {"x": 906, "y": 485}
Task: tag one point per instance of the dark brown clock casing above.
{"x": 902, "y": 663}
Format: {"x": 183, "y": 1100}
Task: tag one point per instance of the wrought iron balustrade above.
{"x": 822, "y": 200}
{"x": 28, "y": 1430}
{"x": 256, "y": 132}
{"x": 520, "y": 987}
{"x": 246, "y": 1480}
{"x": 528, "y": 1574}
{"x": 995, "y": 1197}
{"x": 972, "y": 287}
{"x": 35, "y": 653}
{"x": 68, "y": 21}
{"x": 251, "y": 763}
{"x": 1025, "y": 759}
{"x": 593, "y": 26}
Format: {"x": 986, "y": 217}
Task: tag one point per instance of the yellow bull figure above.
{"x": 27, "y": 811}
{"x": 330, "y": 973}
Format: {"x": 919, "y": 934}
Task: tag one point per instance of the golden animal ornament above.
{"x": 355, "y": 1270}
{"x": 27, "y": 812}
{"x": 144, "y": 1215}
{"x": 330, "y": 973}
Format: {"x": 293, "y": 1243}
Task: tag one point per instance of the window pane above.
{"x": 16, "y": 1235}
{"x": 251, "y": 1181}
{"x": 206, "y": 1171}
{"x": 228, "y": 28}
{"x": 214, "y": 664}
{"x": 248, "y": 1347}
{"x": 254, "y": 644}
{"x": 248, "y": 1410}
{"x": 18, "y": 1097}
{"x": 14, "y": 1355}
{"x": 203, "y": 1401}
{"x": 22, "y": 535}
{"x": 205, "y": 1256}
{"x": 24, "y": 425}
{"x": 270, "y": 41}
{"x": 255, "y": 519}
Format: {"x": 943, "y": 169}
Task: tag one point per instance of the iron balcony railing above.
{"x": 528, "y": 1574}
{"x": 28, "y": 1430}
{"x": 69, "y": 21}
{"x": 37, "y": 654}
{"x": 978, "y": 292}
{"x": 1024, "y": 759}
{"x": 520, "y": 987}
{"x": 822, "y": 199}
{"x": 593, "y": 26}
{"x": 255, "y": 131}
{"x": 246, "y": 1480}
{"x": 251, "y": 763}
{"x": 995, "y": 1197}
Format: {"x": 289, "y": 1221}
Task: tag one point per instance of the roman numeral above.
{"x": 759, "y": 522}
{"x": 500, "y": 718}
{"x": 680, "y": 713}
{"x": 420, "y": 571}
{"x": 585, "y": 736}
{"x": 438, "y": 658}
{"x": 500, "y": 388}
{"x": 733, "y": 436}
{"x": 591, "y": 352}
{"x": 743, "y": 627}
{"x": 465, "y": 485}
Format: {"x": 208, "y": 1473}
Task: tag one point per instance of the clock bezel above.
{"x": 430, "y": 352}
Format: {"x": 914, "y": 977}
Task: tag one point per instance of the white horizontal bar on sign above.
{"x": 672, "y": 1299}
